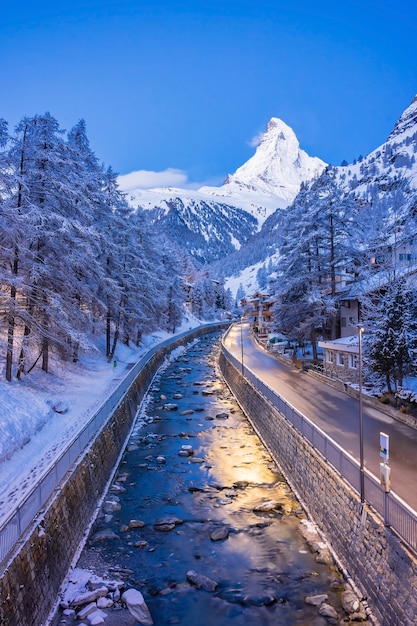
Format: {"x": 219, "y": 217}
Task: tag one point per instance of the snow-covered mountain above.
{"x": 272, "y": 177}
{"x": 391, "y": 166}
{"x": 213, "y": 222}
{"x": 206, "y": 230}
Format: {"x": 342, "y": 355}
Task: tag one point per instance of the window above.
{"x": 329, "y": 356}
{"x": 353, "y": 361}
{"x": 340, "y": 359}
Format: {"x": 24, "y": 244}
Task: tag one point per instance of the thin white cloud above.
{"x": 171, "y": 177}
{"x": 255, "y": 141}
{"x": 146, "y": 179}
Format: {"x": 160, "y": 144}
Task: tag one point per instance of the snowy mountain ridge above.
{"x": 215, "y": 221}
{"x": 392, "y": 162}
{"x": 269, "y": 180}
{"x": 390, "y": 167}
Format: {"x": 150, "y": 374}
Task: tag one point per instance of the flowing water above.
{"x": 193, "y": 466}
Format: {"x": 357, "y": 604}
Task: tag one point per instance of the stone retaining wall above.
{"x": 31, "y": 579}
{"x": 380, "y": 566}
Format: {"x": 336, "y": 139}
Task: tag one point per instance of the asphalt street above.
{"x": 336, "y": 413}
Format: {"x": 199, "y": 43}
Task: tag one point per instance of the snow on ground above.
{"x": 42, "y": 413}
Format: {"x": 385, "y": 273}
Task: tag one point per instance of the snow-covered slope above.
{"x": 387, "y": 165}
{"x": 205, "y": 229}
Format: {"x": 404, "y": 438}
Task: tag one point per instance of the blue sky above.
{"x": 186, "y": 85}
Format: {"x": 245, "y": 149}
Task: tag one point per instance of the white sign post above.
{"x": 384, "y": 446}
{"x": 385, "y": 470}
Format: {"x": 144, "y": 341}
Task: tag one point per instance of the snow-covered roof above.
{"x": 344, "y": 344}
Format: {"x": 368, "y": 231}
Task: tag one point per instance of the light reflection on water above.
{"x": 263, "y": 568}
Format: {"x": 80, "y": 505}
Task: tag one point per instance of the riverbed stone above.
{"x": 104, "y": 603}
{"x": 85, "y": 611}
{"x": 165, "y": 524}
{"x": 104, "y": 535}
{"x": 137, "y": 606}
{"x": 353, "y": 606}
{"x": 97, "y": 617}
{"x": 201, "y": 581}
{"x": 316, "y": 600}
{"x": 110, "y": 506}
{"x": 267, "y": 506}
{"x": 219, "y": 533}
{"x": 265, "y": 600}
{"x": 187, "y": 449}
{"x": 89, "y": 597}
{"x": 326, "y": 610}
{"x": 136, "y": 523}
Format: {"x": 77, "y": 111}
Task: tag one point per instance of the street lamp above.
{"x": 241, "y": 341}
{"x": 361, "y": 328}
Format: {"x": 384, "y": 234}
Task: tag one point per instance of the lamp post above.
{"x": 241, "y": 341}
{"x": 361, "y": 328}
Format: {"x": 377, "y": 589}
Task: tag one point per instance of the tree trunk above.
{"x": 11, "y": 319}
{"x": 45, "y": 354}
{"x": 10, "y": 340}
{"x": 22, "y": 355}
{"x": 75, "y": 352}
{"x": 113, "y": 349}
{"x": 314, "y": 343}
{"x": 108, "y": 333}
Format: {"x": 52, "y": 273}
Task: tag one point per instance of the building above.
{"x": 258, "y": 310}
{"x": 341, "y": 358}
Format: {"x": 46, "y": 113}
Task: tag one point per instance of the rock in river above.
{"x": 137, "y": 606}
{"x": 200, "y": 581}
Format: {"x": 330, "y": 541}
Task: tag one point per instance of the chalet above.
{"x": 341, "y": 358}
{"x": 258, "y": 310}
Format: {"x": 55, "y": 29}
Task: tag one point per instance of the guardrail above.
{"x": 396, "y": 513}
{"x": 18, "y": 520}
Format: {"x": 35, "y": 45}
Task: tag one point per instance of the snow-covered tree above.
{"x": 239, "y": 295}
{"x": 315, "y": 232}
{"x": 262, "y": 277}
{"x": 391, "y": 347}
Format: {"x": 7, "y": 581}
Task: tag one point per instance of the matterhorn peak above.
{"x": 274, "y": 123}
{"x": 278, "y": 165}
{"x": 272, "y": 177}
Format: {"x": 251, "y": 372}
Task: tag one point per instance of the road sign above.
{"x": 384, "y": 446}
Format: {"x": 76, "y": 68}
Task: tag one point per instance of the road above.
{"x": 336, "y": 413}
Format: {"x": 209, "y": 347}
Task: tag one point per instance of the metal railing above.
{"x": 395, "y": 512}
{"x": 14, "y": 525}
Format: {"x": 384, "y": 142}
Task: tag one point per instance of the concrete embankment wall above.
{"x": 380, "y": 566}
{"x": 31, "y": 579}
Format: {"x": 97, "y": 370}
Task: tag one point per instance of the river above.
{"x": 184, "y": 498}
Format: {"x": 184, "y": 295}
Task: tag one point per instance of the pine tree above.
{"x": 391, "y": 347}
{"x": 313, "y": 254}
